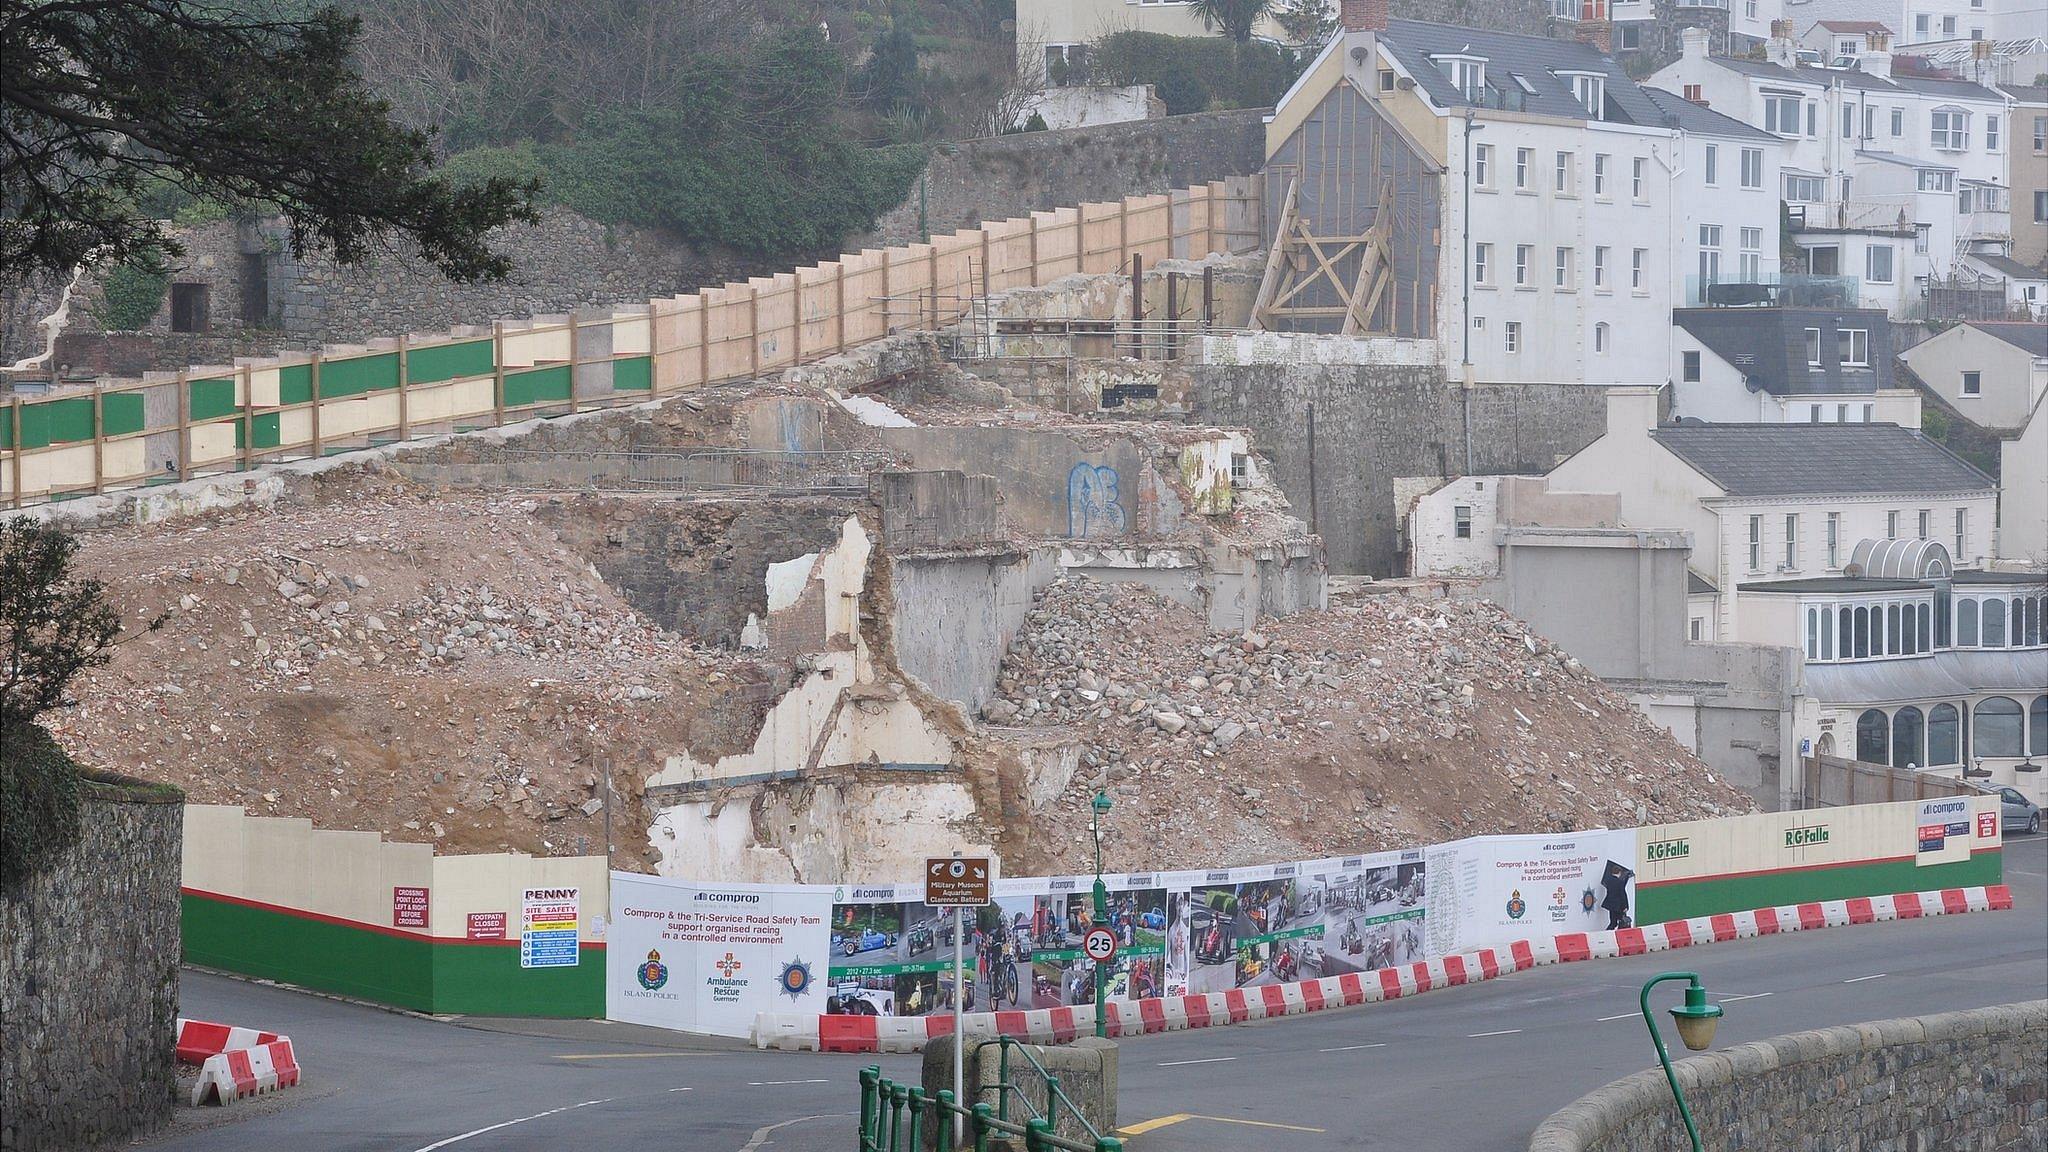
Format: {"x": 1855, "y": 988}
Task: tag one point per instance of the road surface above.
{"x": 1461, "y": 1070}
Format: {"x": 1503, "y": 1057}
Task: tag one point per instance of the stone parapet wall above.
{"x": 89, "y": 977}
{"x": 1976, "y": 1079}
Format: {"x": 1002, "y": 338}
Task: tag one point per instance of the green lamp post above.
{"x": 1696, "y": 1020}
{"x": 1099, "y": 807}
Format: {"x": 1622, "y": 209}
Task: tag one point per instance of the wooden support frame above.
{"x": 1300, "y": 260}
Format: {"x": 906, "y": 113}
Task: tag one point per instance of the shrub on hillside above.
{"x": 1195, "y": 73}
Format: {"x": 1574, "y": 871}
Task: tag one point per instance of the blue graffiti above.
{"x": 1092, "y": 502}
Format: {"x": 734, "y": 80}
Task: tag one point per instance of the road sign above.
{"x": 1100, "y": 945}
{"x": 957, "y": 881}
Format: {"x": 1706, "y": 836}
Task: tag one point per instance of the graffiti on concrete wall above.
{"x": 1092, "y": 502}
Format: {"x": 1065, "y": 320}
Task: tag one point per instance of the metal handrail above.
{"x": 896, "y": 1117}
{"x": 1054, "y": 1094}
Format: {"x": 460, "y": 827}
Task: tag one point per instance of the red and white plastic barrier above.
{"x": 241, "y": 1072}
{"x": 200, "y": 1039}
{"x": 1216, "y": 1009}
{"x": 235, "y": 1062}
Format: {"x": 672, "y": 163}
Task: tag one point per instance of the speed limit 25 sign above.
{"x": 1100, "y": 945}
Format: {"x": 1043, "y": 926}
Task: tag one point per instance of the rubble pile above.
{"x": 443, "y": 669}
{"x": 1388, "y": 724}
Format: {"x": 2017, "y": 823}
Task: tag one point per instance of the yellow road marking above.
{"x": 1144, "y": 1126}
{"x": 631, "y": 1055}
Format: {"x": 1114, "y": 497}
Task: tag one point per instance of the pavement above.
{"x": 1471, "y": 1069}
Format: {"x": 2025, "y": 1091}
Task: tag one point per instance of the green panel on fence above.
{"x": 449, "y": 361}
{"x": 486, "y": 980}
{"x": 633, "y": 374}
{"x": 356, "y": 375}
{"x": 537, "y": 386}
{"x": 267, "y": 431}
{"x": 212, "y": 398}
{"x": 121, "y": 413}
{"x": 56, "y": 421}
{"x": 317, "y": 954}
{"x": 295, "y": 384}
{"x": 1739, "y": 893}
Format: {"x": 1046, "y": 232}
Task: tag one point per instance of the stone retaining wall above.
{"x": 89, "y": 977}
{"x": 1975, "y": 1080}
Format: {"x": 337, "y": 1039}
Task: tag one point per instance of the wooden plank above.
{"x": 1270, "y": 282}
{"x": 404, "y": 387}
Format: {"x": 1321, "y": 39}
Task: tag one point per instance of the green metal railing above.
{"x": 901, "y": 1118}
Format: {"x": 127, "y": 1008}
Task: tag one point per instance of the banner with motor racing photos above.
{"x": 735, "y": 950}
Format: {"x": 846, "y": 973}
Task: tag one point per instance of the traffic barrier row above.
{"x": 200, "y": 1039}
{"x": 850, "y": 1033}
{"x": 241, "y": 1072}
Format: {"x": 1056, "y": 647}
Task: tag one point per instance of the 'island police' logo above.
{"x": 1588, "y": 900}
{"x": 654, "y": 973}
{"x": 795, "y": 980}
{"x": 1516, "y": 905}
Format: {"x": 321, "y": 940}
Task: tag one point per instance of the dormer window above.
{"x": 1588, "y": 88}
{"x": 1467, "y": 72}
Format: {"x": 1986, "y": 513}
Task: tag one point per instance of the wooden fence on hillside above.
{"x": 211, "y": 420}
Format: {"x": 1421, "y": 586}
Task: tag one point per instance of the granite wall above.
{"x": 1975, "y": 1080}
{"x": 1374, "y": 422}
{"x": 89, "y": 983}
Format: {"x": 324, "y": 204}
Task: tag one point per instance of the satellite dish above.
{"x": 1852, "y": 570}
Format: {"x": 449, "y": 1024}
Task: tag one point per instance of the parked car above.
{"x": 866, "y": 940}
{"x": 2016, "y": 811}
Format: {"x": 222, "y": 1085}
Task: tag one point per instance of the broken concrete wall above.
{"x": 1374, "y": 423}
{"x": 1055, "y": 483}
{"x": 954, "y": 617}
{"x": 816, "y": 832}
{"x": 944, "y": 508}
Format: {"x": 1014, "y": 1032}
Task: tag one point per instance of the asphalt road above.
{"x": 1462, "y": 1070}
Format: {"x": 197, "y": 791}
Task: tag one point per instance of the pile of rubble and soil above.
{"x": 445, "y": 670}
{"x": 1392, "y": 723}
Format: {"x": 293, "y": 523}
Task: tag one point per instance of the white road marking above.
{"x": 1745, "y": 996}
{"x": 1351, "y": 1047}
{"x": 780, "y": 1083}
{"x": 679, "y": 1089}
{"x": 760, "y": 1136}
{"x": 1209, "y": 1060}
{"x": 1861, "y": 979}
{"x": 509, "y": 1123}
{"x": 1502, "y": 1032}
{"x": 1623, "y": 1016}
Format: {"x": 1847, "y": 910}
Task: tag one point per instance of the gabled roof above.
{"x": 1700, "y": 119}
{"x": 1819, "y": 459}
{"x": 1536, "y": 59}
{"x": 1854, "y": 25}
{"x": 1768, "y": 346}
{"x": 2008, "y": 267}
{"x": 2029, "y": 337}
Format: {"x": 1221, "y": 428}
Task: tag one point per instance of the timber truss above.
{"x": 1299, "y": 261}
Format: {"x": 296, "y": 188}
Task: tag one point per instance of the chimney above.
{"x": 1779, "y": 49}
{"x": 1596, "y": 32}
{"x": 1878, "y": 40}
{"x": 1875, "y": 62}
{"x": 1693, "y": 43}
{"x": 1362, "y": 15}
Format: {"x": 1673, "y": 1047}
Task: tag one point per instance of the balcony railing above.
{"x": 1781, "y": 289}
{"x": 1866, "y": 215}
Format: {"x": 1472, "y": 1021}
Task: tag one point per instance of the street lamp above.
{"x": 1695, "y": 1019}
{"x": 1099, "y": 807}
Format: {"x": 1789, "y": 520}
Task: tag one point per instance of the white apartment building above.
{"x": 1787, "y": 364}
{"x": 1726, "y": 223}
{"x": 1892, "y": 179}
{"x": 1915, "y": 21}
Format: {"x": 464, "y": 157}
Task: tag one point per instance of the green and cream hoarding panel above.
{"x": 1771, "y": 859}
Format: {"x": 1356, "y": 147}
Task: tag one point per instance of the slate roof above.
{"x": 1534, "y": 58}
{"x": 2022, "y": 334}
{"x": 1819, "y": 584}
{"x": 2026, "y": 93}
{"x": 1819, "y": 459}
{"x": 1696, "y": 584}
{"x": 1700, "y": 119}
{"x": 1857, "y": 78}
{"x": 2009, "y": 267}
{"x": 1768, "y": 346}
{"x": 1854, "y": 25}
